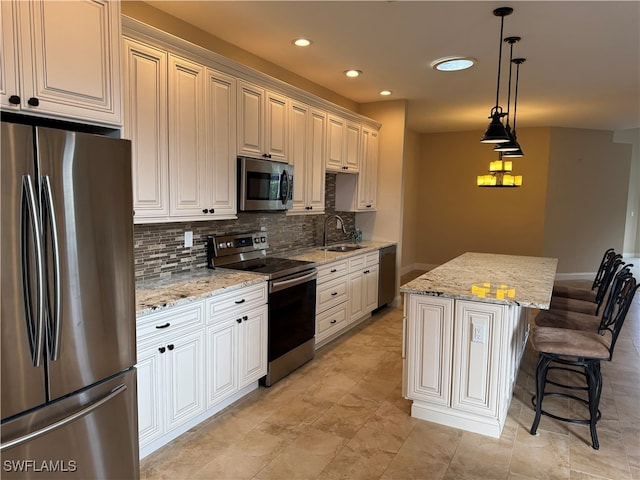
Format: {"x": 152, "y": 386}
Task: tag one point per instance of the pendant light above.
{"x": 500, "y": 175}
{"x": 509, "y": 145}
{"x": 517, "y": 152}
{"x": 496, "y": 132}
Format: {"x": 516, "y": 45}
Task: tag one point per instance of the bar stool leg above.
{"x": 594, "y": 383}
{"x": 541, "y": 380}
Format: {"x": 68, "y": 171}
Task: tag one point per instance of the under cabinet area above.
{"x": 61, "y": 60}
{"x": 195, "y": 359}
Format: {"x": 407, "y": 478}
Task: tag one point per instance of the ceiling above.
{"x": 582, "y": 66}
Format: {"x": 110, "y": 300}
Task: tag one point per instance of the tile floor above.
{"x": 342, "y": 416}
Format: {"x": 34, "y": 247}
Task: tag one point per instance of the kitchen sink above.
{"x": 342, "y": 248}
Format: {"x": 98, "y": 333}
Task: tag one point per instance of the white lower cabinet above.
{"x": 196, "y": 359}
{"x": 461, "y": 359}
{"x": 363, "y": 285}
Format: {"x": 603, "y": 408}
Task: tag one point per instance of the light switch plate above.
{"x": 188, "y": 239}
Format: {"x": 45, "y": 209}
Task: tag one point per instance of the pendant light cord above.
{"x": 499, "y": 59}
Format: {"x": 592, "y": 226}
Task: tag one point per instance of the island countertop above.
{"x": 491, "y": 278}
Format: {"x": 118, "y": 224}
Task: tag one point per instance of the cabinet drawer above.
{"x": 169, "y": 320}
{"x": 372, "y": 258}
{"x": 332, "y": 270}
{"x": 331, "y": 293}
{"x": 331, "y": 321}
{"x": 236, "y": 301}
{"x": 357, "y": 263}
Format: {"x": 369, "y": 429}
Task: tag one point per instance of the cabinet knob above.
{"x": 212, "y": 210}
{"x": 33, "y": 101}
{"x": 245, "y": 318}
{"x": 162, "y": 349}
{"x": 239, "y": 320}
{"x": 366, "y": 271}
{"x": 170, "y": 347}
{"x": 369, "y": 206}
{"x": 204, "y": 210}
{"x": 14, "y": 100}
{"x": 266, "y": 155}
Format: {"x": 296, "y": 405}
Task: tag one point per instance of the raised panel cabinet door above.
{"x": 70, "y": 58}
{"x": 150, "y": 394}
{"x": 9, "y": 85}
{"x": 356, "y": 294}
{"x": 429, "y": 347}
{"x": 370, "y": 293}
{"x": 221, "y": 143}
{"x": 187, "y": 138}
{"x": 251, "y": 119}
{"x": 222, "y": 361}
{"x": 368, "y": 178}
{"x": 145, "y": 124}
{"x": 335, "y": 144}
{"x": 299, "y": 133}
{"x": 316, "y": 161}
{"x": 277, "y": 126}
{"x": 185, "y": 366}
{"x": 253, "y": 346}
{"x": 477, "y": 363}
{"x": 352, "y": 147}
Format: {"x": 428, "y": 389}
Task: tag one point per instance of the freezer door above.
{"x": 87, "y": 210}
{"x": 22, "y": 294}
{"x": 90, "y": 435}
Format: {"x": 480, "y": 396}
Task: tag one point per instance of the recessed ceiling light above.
{"x": 453, "y": 64}
{"x": 353, "y": 73}
{"x": 302, "y": 42}
{"x": 385, "y": 92}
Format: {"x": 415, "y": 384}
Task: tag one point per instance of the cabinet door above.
{"x": 429, "y": 349}
{"x": 277, "y": 126}
{"x": 356, "y": 292}
{"x": 221, "y": 143}
{"x": 253, "y": 346}
{"x": 367, "y": 181}
{"x": 185, "y": 365}
{"x": 150, "y": 394}
{"x": 70, "y": 58}
{"x": 187, "y": 163}
{"x": 250, "y": 119}
{"x": 316, "y": 161}
{"x": 370, "y": 289}
{"x": 299, "y": 155}
{"x": 145, "y": 124}
{"x": 352, "y": 148}
{"x": 222, "y": 361}
{"x": 477, "y": 363}
{"x": 335, "y": 144}
{"x": 9, "y": 85}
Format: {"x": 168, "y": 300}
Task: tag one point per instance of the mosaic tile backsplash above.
{"x": 159, "y": 248}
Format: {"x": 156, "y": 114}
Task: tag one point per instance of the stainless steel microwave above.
{"x": 264, "y": 185}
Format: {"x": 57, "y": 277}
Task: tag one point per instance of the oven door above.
{"x": 264, "y": 185}
{"x": 292, "y": 312}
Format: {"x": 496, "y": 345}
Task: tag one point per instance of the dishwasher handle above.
{"x": 292, "y": 281}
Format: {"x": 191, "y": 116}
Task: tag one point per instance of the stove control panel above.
{"x": 231, "y": 244}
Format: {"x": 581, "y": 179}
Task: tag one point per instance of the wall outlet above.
{"x": 478, "y": 334}
{"x": 188, "y": 239}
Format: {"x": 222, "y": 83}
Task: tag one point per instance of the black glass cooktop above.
{"x": 274, "y": 267}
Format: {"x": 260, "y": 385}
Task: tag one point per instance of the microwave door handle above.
{"x": 284, "y": 198}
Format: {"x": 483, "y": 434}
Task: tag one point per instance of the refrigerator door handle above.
{"x": 36, "y": 331}
{"x": 54, "y": 347}
{"x": 61, "y": 423}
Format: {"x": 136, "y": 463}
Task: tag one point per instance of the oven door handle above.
{"x": 292, "y": 282}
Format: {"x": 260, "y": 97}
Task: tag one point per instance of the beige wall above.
{"x": 151, "y": 16}
{"x": 411, "y": 191}
{"x": 631, "y": 245}
{"x": 587, "y": 197}
{"x": 456, "y": 216}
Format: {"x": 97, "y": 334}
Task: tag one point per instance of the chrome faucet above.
{"x": 324, "y": 232}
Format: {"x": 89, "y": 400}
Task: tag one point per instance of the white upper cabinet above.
{"x": 262, "y": 122}
{"x": 145, "y": 124}
{"x": 307, "y": 132}
{"x": 62, "y": 59}
{"x": 343, "y": 146}
{"x": 368, "y": 179}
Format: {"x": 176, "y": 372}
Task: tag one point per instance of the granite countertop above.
{"x": 319, "y": 256}
{"x": 490, "y": 278}
{"x": 152, "y": 295}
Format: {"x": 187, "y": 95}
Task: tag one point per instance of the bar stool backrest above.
{"x": 604, "y": 278}
{"x": 601, "y": 269}
{"x": 622, "y": 291}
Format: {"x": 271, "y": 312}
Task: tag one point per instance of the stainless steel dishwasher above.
{"x": 387, "y": 275}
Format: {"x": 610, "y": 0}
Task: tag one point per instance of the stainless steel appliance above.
{"x": 264, "y": 185}
{"x": 387, "y": 275}
{"x": 292, "y": 297}
{"x": 69, "y": 403}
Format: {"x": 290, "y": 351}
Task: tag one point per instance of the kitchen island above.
{"x": 466, "y": 326}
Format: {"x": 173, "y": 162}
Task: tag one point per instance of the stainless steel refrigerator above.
{"x": 69, "y": 402}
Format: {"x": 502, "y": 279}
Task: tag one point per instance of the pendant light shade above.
{"x": 496, "y": 131}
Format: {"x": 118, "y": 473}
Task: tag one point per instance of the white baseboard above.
{"x": 576, "y": 276}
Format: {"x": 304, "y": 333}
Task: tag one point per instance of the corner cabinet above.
{"x": 62, "y": 59}
{"x": 181, "y": 117}
{"x": 307, "y": 133}
{"x": 196, "y": 359}
{"x": 262, "y": 122}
